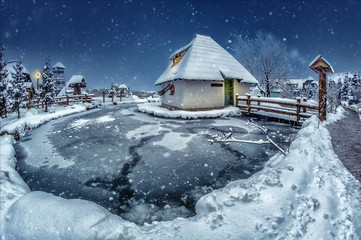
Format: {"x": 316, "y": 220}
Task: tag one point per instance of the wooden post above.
{"x": 322, "y": 98}
{"x": 321, "y": 66}
{"x": 120, "y": 98}
{"x": 249, "y": 102}
{"x": 259, "y": 101}
{"x": 112, "y": 96}
{"x": 103, "y": 97}
{"x": 305, "y": 101}
{"x": 298, "y": 109}
{"x": 86, "y": 98}
{"x": 67, "y": 100}
{"x": 237, "y": 100}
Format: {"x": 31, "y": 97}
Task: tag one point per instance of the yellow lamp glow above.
{"x": 37, "y": 75}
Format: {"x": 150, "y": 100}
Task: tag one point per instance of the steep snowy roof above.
{"x": 70, "y": 84}
{"x": 205, "y": 60}
{"x": 59, "y": 65}
{"x": 122, "y": 86}
{"x": 75, "y": 79}
{"x": 10, "y": 69}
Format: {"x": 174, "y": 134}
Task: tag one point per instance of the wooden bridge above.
{"x": 284, "y": 109}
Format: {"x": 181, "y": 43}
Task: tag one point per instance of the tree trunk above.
{"x": 46, "y": 106}
{"x": 18, "y": 112}
{"x": 268, "y": 91}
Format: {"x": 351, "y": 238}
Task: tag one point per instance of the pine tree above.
{"x": 17, "y": 89}
{"x": 3, "y": 92}
{"x": 47, "y": 94}
{"x": 356, "y": 87}
{"x": 345, "y": 88}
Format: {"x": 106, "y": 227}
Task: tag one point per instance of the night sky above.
{"x": 130, "y": 41}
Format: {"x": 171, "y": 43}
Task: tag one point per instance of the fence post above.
{"x": 86, "y": 98}
{"x": 304, "y": 108}
{"x": 259, "y": 101}
{"x": 67, "y": 100}
{"x": 298, "y": 108}
{"x": 112, "y": 96}
{"x": 249, "y": 101}
{"x": 103, "y": 97}
{"x": 237, "y": 100}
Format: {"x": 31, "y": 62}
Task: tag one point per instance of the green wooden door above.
{"x": 228, "y": 91}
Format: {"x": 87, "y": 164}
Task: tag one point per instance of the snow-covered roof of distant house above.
{"x": 76, "y": 79}
{"x": 29, "y": 84}
{"x": 205, "y": 60}
{"x": 10, "y": 69}
{"x": 59, "y": 65}
{"x": 70, "y": 84}
{"x": 122, "y": 86}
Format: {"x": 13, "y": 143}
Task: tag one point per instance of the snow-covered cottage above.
{"x": 75, "y": 86}
{"x": 123, "y": 90}
{"x": 203, "y": 75}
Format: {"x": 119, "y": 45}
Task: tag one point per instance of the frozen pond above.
{"x": 140, "y": 167}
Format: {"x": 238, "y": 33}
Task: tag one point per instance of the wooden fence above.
{"x": 74, "y": 98}
{"x": 297, "y": 108}
{"x": 66, "y": 100}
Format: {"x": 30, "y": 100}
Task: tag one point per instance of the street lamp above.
{"x": 37, "y": 76}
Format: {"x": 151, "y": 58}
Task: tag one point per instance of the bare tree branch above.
{"x": 228, "y": 137}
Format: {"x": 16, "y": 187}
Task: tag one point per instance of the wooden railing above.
{"x": 290, "y": 107}
{"x": 74, "y": 98}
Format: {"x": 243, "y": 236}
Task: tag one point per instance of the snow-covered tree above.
{"x": 47, "y": 92}
{"x": 3, "y": 90}
{"x": 356, "y": 87}
{"x": 17, "y": 89}
{"x": 333, "y": 100}
{"x": 345, "y": 91}
{"x": 266, "y": 58}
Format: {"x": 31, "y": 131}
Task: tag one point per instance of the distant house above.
{"x": 75, "y": 86}
{"x": 123, "y": 90}
{"x": 203, "y": 75}
{"x": 303, "y": 86}
{"x": 28, "y": 82}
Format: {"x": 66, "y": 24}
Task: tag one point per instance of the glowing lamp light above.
{"x": 37, "y": 75}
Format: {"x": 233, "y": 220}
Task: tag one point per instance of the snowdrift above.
{"x": 156, "y": 110}
{"x": 307, "y": 194}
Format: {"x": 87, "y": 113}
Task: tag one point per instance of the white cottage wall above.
{"x": 175, "y": 100}
{"x": 241, "y": 89}
{"x": 201, "y": 94}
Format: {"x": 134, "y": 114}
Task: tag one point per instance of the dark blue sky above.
{"x": 130, "y": 41}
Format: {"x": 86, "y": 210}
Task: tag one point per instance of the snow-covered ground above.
{"x": 156, "y": 110}
{"x": 125, "y": 100}
{"x": 307, "y": 194}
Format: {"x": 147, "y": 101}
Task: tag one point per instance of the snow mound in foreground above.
{"x": 156, "y": 110}
{"x": 307, "y": 194}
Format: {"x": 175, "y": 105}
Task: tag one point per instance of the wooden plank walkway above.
{"x": 346, "y": 141}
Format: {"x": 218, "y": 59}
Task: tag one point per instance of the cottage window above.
{"x": 216, "y": 85}
{"x": 177, "y": 58}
